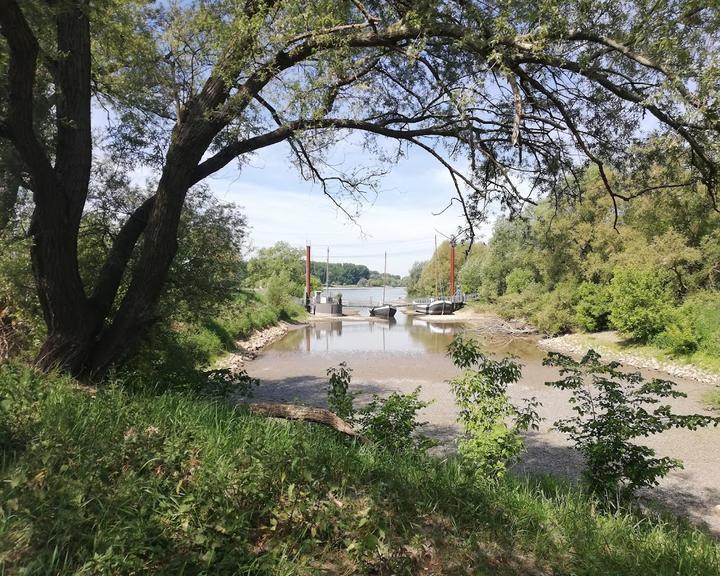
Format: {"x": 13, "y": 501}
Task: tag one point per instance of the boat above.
{"x": 421, "y": 307}
{"x": 437, "y": 307}
{"x": 384, "y": 310}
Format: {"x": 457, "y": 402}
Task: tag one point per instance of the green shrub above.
{"x": 518, "y": 280}
{"x": 521, "y": 306}
{"x": 492, "y": 425}
{"x": 340, "y": 399}
{"x": 703, "y": 311}
{"x": 612, "y": 412}
{"x": 279, "y": 288}
{"x": 592, "y": 310}
{"x": 679, "y": 336}
{"x": 641, "y": 302}
{"x": 392, "y": 422}
{"x": 389, "y": 422}
{"x": 555, "y": 312}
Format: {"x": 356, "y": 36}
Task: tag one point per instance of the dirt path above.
{"x": 693, "y": 491}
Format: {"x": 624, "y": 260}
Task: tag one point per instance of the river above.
{"x": 410, "y": 352}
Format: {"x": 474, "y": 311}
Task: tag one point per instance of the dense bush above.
{"x": 592, "y": 311}
{"x": 703, "y": 311}
{"x": 518, "y": 280}
{"x": 393, "y": 423}
{"x": 390, "y": 422}
{"x": 641, "y": 302}
{"x": 680, "y": 336}
{"x": 556, "y": 311}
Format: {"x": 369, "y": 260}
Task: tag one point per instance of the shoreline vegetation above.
{"x": 185, "y": 483}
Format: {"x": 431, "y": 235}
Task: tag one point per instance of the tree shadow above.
{"x": 308, "y": 390}
{"x": 672, "y": 496}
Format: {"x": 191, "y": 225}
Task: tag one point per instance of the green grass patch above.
{"x": 116, "y": 482}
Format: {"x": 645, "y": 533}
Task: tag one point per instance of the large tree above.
{"x": 520, "y": 92}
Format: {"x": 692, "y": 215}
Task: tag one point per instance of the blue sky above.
{"x": 280, "y": 205}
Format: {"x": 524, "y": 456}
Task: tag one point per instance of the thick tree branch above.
{"x": 21, "y": 81}
{"x": 116, "y": 262}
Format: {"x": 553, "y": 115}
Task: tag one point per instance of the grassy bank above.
{"x": 120, "y": 482}
{"x": 700, "y": 359}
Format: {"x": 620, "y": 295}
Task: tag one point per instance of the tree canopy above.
{"x": 512, "y": 97}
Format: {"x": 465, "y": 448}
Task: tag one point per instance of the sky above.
{"x": 281, "y": 206}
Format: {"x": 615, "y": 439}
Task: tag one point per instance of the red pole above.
{"x": 307, "y": 274}
{"x": 452, "y": 269}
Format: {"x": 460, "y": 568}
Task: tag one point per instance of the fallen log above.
{"x": 305, "y": 413}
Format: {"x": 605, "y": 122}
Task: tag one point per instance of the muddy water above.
{"x": 409, "y": 352}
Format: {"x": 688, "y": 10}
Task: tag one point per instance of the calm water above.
{"x": 403, "y": 334}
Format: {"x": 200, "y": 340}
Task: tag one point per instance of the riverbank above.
{"x": 608, "y": 344}
{"x": 248, "y": 348}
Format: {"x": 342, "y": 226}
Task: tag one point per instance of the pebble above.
{"x": 248, "y": 349}
{"x": 569, "y": 345}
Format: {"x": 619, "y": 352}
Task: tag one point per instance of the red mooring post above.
{"x": 307, "y": 276}
{"x": 452, "y": 269}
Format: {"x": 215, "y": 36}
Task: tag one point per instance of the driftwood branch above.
{"x": 306, "y": 413}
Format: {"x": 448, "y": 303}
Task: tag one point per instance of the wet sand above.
{"x": 294, "y": 370}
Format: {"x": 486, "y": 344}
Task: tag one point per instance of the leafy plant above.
{"x": 492, "y": 425}
{"x": 392, "y": 421}
{"x": 518, "y": 280}
{"x": 613, "y": 409}
{"x": 340, "y": 399}
{"x": 592, "y": 310}
{"x": 641, "y": 302}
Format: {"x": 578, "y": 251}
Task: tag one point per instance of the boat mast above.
{"x": 435, "y": 256}
{"x": 327, "y": 272}
{"x": 384, "y": 279}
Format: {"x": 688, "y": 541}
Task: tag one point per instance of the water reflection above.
{"x": 399, "y": 334}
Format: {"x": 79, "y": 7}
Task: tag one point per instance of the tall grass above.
{"x": 119, "y": 482}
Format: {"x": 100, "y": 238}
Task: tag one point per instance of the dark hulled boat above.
{"x": 384, "y": 311}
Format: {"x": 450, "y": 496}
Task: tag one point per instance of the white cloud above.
{"x": 405, "y": 229}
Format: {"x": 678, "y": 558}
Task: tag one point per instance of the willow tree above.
{"x": 519, "y": 93}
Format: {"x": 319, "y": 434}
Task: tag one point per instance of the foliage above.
{"x": 679, "y": 335}
{"x": 641, "y": 302}
{"x": 612, "y": 412}
{"x": 280, "y": 260}
{"x": 435, "y": 275}
{"x": 413, "y": 282}
{"x": 344, "y": 274}
{"x": 392, "y": 422}
{"x": 340, "y": 399}
{"x": 556, "y": 314}
{"x": 133, "y": 482}
{"x": 703, "y": 311}
{"x": 518, "y": 280}
{"x": 592, "y": 311}
{"x": 492, "y": 425}
{"x": 172, "y": 355}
